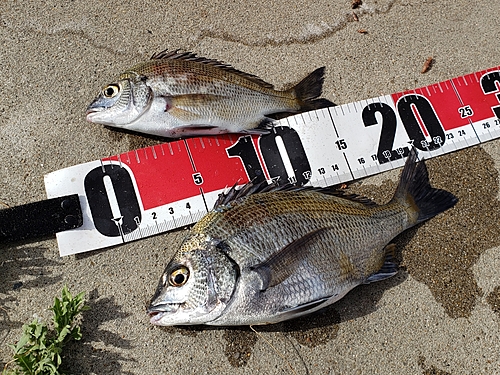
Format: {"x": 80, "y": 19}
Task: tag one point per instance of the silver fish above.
{"x": 264, "y": 257}
{"x": 179, "y": 94}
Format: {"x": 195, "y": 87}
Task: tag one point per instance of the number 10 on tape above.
{"x": 156, "y": 189}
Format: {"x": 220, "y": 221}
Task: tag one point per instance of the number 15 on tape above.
{"x": 156, "y": 189}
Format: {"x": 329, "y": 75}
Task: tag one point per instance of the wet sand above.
{"x": 439, "y": 315}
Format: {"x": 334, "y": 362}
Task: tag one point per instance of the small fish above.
{"x": 179, "y": 94}
{"x": 268, "y": 256}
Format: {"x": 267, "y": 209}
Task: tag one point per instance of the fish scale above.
{"x": 279, "y": 253}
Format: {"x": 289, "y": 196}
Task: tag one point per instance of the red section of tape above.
{"x": 470, "y": 91}
{"x": 170, "y": 172}
{"x": 444, "y": 101}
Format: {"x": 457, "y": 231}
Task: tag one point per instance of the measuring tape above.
{"x": 156, "y": 189}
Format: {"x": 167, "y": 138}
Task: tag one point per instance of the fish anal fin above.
{"x": 284, "y": 263}
{"x": 389, "y": 267}
{"x": 256, "y": 131}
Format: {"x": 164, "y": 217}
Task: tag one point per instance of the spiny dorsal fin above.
{"x": 189, "y": 56}
{"x": 250, "y": 188}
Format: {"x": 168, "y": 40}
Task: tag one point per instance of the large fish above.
{"x": 179, "y": 94}
{"x": 264, "y": 257}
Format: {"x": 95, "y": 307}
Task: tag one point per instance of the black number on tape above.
{"x": 292, "y": 151}
{"x": 490, "y": 83}
{"x": 465, "y": 111}
{"x": 245, "y": 150}
{"x": 409, "y": 107}
{"x": 341, "y": 145}
{"x": 385, "y": 153}
{"x": 112, "y": 200}
{"x": 420, "y": 104}
{"x": 198, "y": 180}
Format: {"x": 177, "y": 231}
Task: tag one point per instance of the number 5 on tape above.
{"x": 156, "y": 189}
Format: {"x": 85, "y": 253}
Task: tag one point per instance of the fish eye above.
{"x": 179, "y": 276}
{"x": 110, "y": 91}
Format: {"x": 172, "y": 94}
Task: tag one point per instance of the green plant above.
{"x": 38, "y": 352}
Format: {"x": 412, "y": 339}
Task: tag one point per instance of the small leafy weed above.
{"x": 38, "y": 352}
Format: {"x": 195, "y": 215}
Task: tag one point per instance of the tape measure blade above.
{"x": 171, "y": 185}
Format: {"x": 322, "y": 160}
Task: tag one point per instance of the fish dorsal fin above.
{"x": 284, "y": 263}
{"x": 351, "y": 197}
{"x": 249, "y": 188}
{"x": 189, "y": 56}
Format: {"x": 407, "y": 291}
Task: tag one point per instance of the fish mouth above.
{"x": 156, "y": 313}
{"x": 90, "y": 112}
{"x": 93, "y": 110}
{"x": 156, "y": 316}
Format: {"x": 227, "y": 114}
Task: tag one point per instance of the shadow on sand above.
{"x": 87, "y": 358}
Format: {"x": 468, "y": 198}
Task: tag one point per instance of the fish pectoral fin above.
{"x": 187, "y": 107}
{"x": 194, "y": 100}
{"x": 389, "y": 268}
{"x": 284, "y": 263}
{"x": 182, "y": 114}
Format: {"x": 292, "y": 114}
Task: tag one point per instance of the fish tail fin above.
{"x": 415, "y": 191}
{"x": 309, "y": 89}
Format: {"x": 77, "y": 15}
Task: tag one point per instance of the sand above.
{"x": 439, "y": 315}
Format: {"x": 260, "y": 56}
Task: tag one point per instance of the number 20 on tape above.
{"x": 156, "y": 189}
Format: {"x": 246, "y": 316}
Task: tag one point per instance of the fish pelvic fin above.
{"x": 416, "y": 193}
{"x": 296, "y": 311}
{"x": 309, "y": 89}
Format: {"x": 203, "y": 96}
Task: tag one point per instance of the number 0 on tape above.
{"x": 156, "y": 189}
